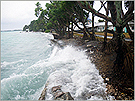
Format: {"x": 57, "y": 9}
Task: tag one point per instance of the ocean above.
{"x": 29, "y": 60}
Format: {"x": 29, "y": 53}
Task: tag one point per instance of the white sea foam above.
{"x": 4, "y": 64}
{"x": 76, "y": 74}
{"x": 48, "y": 35}
{"x": 54, "y": 52}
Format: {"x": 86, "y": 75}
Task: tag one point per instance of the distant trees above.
{"x": 62, "y": 16}
{"x": 56, "y": 18}
{"x": 40, "y": 23}
{"x": 25, "y": 27}
{"x": 33, "y": 26}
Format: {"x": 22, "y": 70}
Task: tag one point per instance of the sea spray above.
{"x": 76, "y": 74}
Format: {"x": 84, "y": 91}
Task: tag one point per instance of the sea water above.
{"x": 29, "y": 60}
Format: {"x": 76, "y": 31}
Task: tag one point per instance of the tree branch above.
{"x": 130, "y": 10}
{"x": 103, "y": 5}
{"x": 128, "y": 18}
{"x": 92, "y": 10}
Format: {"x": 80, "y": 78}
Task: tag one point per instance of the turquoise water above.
{"x": 29, "y": 60}
{"x": 22, "y": 74}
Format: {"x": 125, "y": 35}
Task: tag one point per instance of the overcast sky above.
{"x": 16, "y": 14}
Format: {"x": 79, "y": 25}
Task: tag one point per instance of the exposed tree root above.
{"x": 124, "y": 64}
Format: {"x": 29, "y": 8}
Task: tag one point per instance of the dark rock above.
{"x": 56, "y": 36}
{"x": 67, "y": 96}
{"x": 55, "y": 88}
{"x": 87, "y": 50}
{"x": 58, "y": 94}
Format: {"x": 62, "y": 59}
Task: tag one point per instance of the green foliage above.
{"x": 41, "y": 22}
{"x": 58, "y": 15}
{"x": 47, "y": 31}
{"x": 25, "y": 27}
{"x": 38, "y": 9}
{"x": 101, "y": 20}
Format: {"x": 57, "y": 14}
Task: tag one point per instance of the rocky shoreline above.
{"x": 104, "y": 63}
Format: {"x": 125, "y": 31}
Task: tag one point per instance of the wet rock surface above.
{"x": 60, "y": 95}
{"x": 57, "y": 93}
